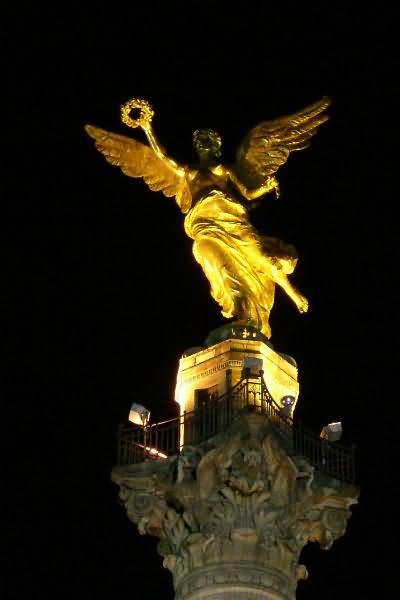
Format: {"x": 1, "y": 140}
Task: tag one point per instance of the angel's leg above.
{"x": 235, "y": 285}
{"x": 281, "y": 279}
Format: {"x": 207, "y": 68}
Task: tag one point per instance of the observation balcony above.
{"x": 162, "y": 440}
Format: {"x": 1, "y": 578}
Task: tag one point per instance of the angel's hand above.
{"x": 275, "y": 186}
{"x": 144, "y": 117}
{"x": 301, "y": 303}
{"x": 272, "y": 184}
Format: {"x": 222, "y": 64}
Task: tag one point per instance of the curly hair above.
{"x": 207, "y": 140}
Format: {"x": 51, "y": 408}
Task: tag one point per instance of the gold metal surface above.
{"x": 242, "y": 266}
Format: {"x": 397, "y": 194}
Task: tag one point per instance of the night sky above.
{"x": 101, "y": 294}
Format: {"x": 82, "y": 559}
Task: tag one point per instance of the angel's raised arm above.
{"x": 144, "y": 121}
{"x": 160, "y": 151}
{"x": 135, "y": 159}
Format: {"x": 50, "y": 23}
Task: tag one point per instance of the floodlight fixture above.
{"x": 139, "y": 414}
{"x": 332, "y": 432}
{"x": 253, "y": 366}
{"x": 286, "y": 406}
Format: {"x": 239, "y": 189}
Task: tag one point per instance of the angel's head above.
{"x": 207, "y": 144}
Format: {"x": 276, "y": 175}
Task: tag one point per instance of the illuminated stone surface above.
{"x": 233, "y": 513}
{"x": 219, "y": 366}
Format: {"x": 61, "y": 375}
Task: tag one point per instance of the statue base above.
{"x": 232, "y": 488}
{"x": 210, "y": 371}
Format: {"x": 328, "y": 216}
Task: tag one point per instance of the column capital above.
{"x": 233, "y": 513}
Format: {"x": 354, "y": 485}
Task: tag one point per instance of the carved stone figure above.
{"x": 233, "y": 524}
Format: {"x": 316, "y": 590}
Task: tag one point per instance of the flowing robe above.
{"x": 241, "y": 265}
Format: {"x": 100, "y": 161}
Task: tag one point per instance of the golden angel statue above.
{"x": 241, "y": 265}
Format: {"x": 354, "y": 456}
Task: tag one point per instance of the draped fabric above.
{"x": 240, "y": 265}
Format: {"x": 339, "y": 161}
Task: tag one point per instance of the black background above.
{"x": 102, "y": 295}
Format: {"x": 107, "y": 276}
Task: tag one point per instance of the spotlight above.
{"x": 286, "y": 406}
{"x": 332, "y": 432}
{"x": 139, "y": 414}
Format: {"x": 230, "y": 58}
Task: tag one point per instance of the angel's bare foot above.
{"x": 300, "y": 301}
{"x": 302, "y": 304}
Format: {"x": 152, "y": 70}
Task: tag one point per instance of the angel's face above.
{"x": 207, "y": 144}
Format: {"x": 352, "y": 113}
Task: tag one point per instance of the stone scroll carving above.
{"x": 236, "y": 511}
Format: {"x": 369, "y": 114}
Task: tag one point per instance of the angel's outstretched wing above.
{"x": 267, "y": 146}
{"x": 138, "y": 160}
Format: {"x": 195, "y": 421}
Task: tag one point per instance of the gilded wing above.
{"x": 138, "y": 160}
{"x": 267, "y": 146}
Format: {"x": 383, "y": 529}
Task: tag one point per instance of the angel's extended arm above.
{"x": 160, "y": 151}
{"x": 140, "y": 160}
{"x": 252, "y": 194}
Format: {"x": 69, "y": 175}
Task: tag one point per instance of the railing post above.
{"x": 353, "y": 463}
{"x": 182, "y": 432}
{"x": 119, "y": 449}
{"x": 324, "y": 453}
{"x": 228, "y": 380}
{"x": 145, "y": 441}
{"x": 203, "y": 429}
{"x": 299, "y": 443}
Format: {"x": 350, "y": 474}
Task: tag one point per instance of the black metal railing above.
{"x": 160, "y": 440}
{"x": 335, "y": 459}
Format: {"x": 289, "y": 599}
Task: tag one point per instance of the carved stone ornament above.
{"x": 234, "y": 513}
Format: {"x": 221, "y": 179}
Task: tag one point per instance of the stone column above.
{"x": 234, "y": 513}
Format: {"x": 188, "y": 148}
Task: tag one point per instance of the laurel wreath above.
{"x": 145, "y": 116}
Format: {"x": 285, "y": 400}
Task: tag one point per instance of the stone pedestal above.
{"x": 233, "y": 513}
{"x": 210, "y": 371}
